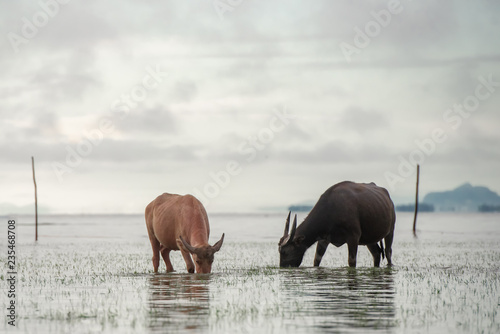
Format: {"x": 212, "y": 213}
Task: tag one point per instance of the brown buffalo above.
{"x": 178, "y": 222}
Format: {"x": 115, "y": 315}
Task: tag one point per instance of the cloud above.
{"x": 337, "y": 152}
{"x": 45, "y": 125}
{"x": 473, "y": 143}
{"x": 363, "y": 121}
{"x": 422, "y": 25}
{"x": 131, "y": 151}
{"x": 225, "y": 77}
{"x": 20, "y": 152}
{"x": 30, "y": 124}
{"x": 64, "y": 80}
{"x": 184, "y": 90}
{"x": 79, "y": 26}
{"x": 157, "y": 120}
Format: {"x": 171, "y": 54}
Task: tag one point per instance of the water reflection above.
{"x": 179, "y": 302}
{"x": 342, "y": 299}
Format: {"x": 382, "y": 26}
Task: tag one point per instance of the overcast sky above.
{"x": 251, "y": 105}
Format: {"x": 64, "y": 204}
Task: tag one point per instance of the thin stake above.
{"x": 416, "y": 203}
{"x": 36, "y": 200}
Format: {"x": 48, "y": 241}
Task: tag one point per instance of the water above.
{"x": 94, "y": 274}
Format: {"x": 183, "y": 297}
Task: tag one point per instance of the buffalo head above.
{"x": 290, "y": 246}
{"x": 203, "y": 256}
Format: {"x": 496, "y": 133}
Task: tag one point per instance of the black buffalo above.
{"x": 348, "y": 212}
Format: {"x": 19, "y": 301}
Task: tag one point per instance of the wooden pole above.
{"x": 36, "y": 200}
{"x": 416, "y": 203}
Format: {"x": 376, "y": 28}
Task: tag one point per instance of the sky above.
{"x": 248, "y": 105}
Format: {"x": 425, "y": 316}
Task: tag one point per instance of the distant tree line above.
{"x": 426, "y": 207}
{"x": 422, "y": 207}
{"x": 300, "y": 208}
{"x": 488, "y": 208}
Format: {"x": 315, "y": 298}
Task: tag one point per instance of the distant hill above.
{"x": 464, "y": 198}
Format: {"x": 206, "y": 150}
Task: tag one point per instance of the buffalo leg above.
{"x": 388, "y": 248}
{"x": 320, "y": 251}
{"x": 165, "y": 254}
{"x": 376, "y": 253}
{"x": 155, "y": 244}
{"x": 353, "y": 252}
{"x": 189, "y": 261}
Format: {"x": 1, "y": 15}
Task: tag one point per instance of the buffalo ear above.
{"x": 216, "y": 247}
{"x": 299, "y": 239}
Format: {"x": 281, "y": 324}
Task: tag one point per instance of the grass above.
{"x": 108, "y": 287}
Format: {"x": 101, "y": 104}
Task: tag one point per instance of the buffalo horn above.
{"x": 216, "y": 247}
{"x": 294, "y": 228}
{"x": 289, "y": 237}
{"x": 287, "y": 224}
{"x": 190, "y": 248}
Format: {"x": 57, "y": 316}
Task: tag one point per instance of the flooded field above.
{"x": 93, "y": 274}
